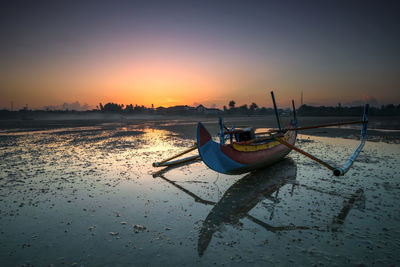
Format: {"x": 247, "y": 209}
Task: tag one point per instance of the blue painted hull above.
{"x": 225, "y": 159}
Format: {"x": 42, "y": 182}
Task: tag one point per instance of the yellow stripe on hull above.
{"x": 256, "y": 147}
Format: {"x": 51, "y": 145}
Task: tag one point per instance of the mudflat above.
{"x": 386, "y": 129}
{"x": 84, "y": 192}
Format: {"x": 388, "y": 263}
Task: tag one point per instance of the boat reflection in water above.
{"x": 246, "y": 193}
{"x": 243, "y": 196}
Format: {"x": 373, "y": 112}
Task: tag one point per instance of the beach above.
{"x": 84, "y": 192}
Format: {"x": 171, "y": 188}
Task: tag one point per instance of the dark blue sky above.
{"x": 332, "y": 50}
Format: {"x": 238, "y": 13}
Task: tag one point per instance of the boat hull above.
{"x": 226, "y": 159}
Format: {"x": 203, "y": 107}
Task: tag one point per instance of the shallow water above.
{"x": 90, "y": 196}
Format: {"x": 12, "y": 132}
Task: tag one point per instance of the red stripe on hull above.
{"x": 205, "y": 136}
{"x": 254, "y": 157}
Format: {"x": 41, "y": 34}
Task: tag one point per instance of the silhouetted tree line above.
{"x": 186, "y": 110}
{"x": 253, "y": 109}
{"x": 230, "y": 110}
{"x": 113, "y": 107}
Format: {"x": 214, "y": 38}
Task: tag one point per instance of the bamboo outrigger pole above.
{"x": 178, "y": 161}
{"x": 301, "y": 128}
{"x": 167, "y": 163}
{"x": 363, "y": 138}
{"x": 337, "y": 171}
{"x": 319, "y": 126}
{"x": 304, "y": 153}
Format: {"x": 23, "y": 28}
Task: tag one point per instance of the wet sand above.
{"x": 89, "y": 196}
{"x": 385, "y": 129}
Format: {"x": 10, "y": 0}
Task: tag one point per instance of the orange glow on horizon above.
{"x": 161, "y": 78}
{"x": 158, "y": 82}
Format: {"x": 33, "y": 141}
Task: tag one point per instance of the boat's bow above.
{"x": 211, "y": 154}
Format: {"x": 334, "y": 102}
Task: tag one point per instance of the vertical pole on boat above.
{"x": 294, "y": 109}
{"x": 231, "y": 135}
{"x": 221, "y": 132}
{"x": 276, "y": 111}
{"x": 294, "y": 114}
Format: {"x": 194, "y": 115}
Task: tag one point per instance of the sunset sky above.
{"x": 190, "y": 52}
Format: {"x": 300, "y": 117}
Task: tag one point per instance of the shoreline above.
{"x": 385, "y": 129}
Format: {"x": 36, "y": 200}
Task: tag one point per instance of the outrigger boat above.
{"x": 251, "y": 151}
{"x": 248, "y": 152}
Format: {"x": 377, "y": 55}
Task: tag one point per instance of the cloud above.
{"x": 70, "y": 106}
{"x": 206, "y": 104}
{"x": 316, "y": 104}
{"x": 372, "y": 101}
{"x": 212, "y": 103}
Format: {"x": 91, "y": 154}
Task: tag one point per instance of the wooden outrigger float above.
{"x": 251, "y": 151}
